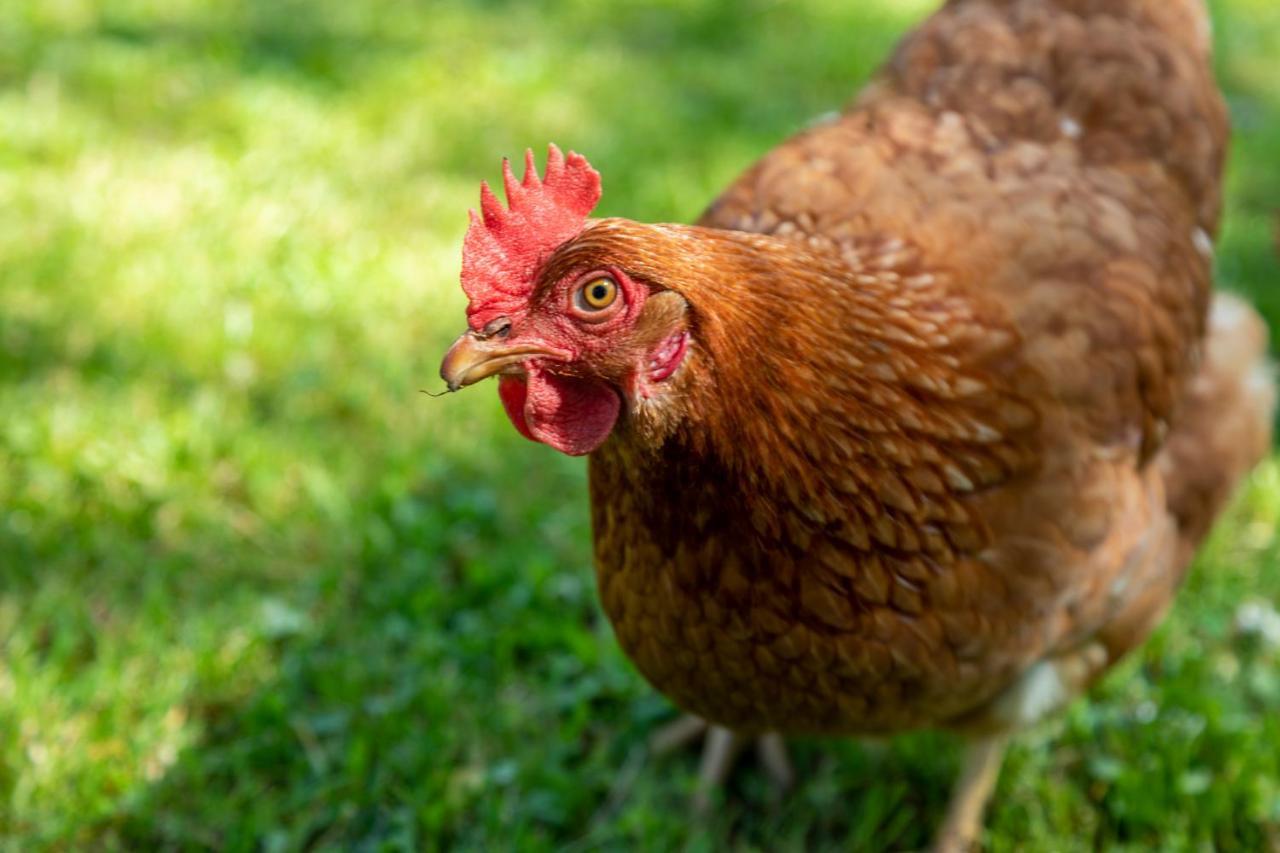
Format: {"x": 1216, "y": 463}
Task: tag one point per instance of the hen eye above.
{"x": 597, "y": 294}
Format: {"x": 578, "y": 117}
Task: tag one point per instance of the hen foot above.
{"x": 721, "y": 748}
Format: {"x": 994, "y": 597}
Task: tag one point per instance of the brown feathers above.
{"x": 945, "y": 412}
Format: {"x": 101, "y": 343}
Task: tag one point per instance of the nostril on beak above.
{"x": 498, "y": 328}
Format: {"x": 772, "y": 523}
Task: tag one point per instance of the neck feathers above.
{"x": 824, "y": 382}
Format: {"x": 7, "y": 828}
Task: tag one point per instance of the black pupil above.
{"x": 599, "y": 292}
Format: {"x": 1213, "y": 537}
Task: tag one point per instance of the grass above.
{"x": 256, "y": 592}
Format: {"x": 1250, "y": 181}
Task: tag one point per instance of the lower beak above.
{"x": 472, "y": 358}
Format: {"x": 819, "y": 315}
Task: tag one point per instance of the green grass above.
{"x": 257, "y": 592}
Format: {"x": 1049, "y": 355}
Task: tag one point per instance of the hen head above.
{"x": 572, "y": 337}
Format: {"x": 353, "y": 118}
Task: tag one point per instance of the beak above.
{"x": 474, "y": 357}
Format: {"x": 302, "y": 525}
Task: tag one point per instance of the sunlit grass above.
{"x": 256, "y": 590}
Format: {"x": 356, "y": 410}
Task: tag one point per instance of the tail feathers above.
{"x": 1226, "y": 424}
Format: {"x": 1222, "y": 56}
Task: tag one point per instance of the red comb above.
{"x": 505, "y": 246}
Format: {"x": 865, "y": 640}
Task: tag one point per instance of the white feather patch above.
{"x": 1037, "y": 694}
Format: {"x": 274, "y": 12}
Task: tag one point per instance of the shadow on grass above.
{"x": 456, "y": 688}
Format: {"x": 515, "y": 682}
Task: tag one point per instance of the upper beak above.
{"x": 473, "y": 357}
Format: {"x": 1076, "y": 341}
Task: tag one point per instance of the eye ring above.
{"x": 598, "y": 293}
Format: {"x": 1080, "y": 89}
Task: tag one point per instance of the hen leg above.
{"x": 772, "y": 752}
{"x": 720, "y": 749}
{"x": 962, "y": 826}
{"x": 1042, "y": 690}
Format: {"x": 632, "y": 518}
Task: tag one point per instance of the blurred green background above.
{"x": 258, "y": 592}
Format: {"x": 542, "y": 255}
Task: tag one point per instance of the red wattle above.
{"x": 570, "y": 414}
{"x": 514, "y": 391}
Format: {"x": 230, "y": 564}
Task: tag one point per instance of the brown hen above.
{"x": 921, "y": 424}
